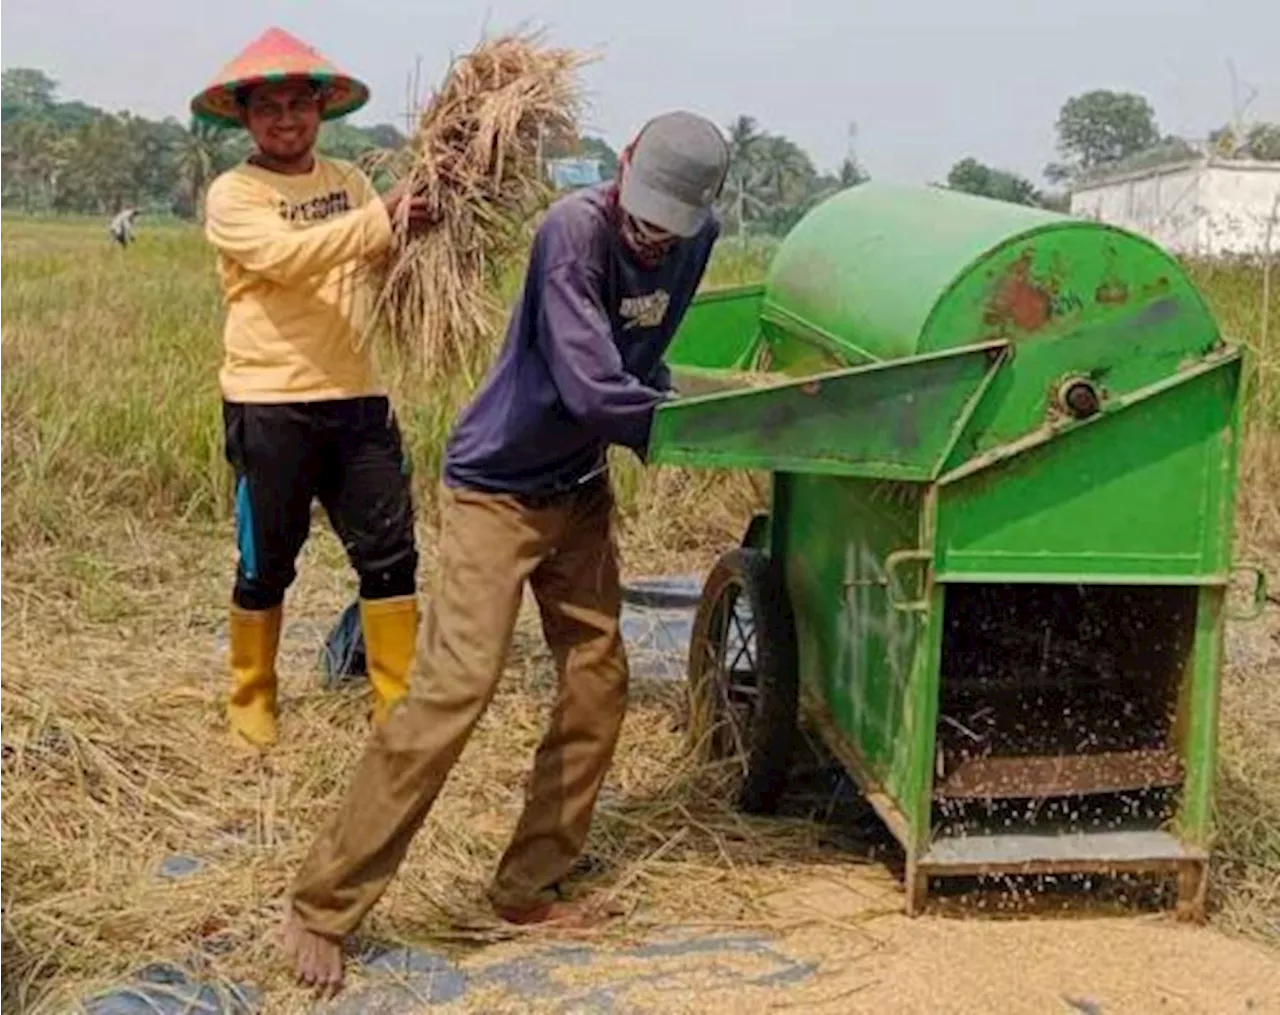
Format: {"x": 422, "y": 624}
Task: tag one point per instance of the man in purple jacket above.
{"x": 526, "y": 498}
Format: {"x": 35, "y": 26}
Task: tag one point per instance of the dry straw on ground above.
{"x": 116, "y": 759}
{"x": 114, "y": 751}
{"x": 476, "y": 156}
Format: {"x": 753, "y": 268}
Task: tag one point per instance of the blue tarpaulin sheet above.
{"x": 569, "y": 173}
{"x": 657, "y": 623}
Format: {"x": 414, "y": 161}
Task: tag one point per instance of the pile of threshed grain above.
{"x": 476, "y": 155}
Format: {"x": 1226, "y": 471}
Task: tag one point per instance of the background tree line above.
{"x": 1103, "y": 131}
{"x": 73, "y": 157}
{"x": 68, "y": 156}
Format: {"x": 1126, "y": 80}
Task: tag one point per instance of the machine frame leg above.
{"x": 917, "y": 889}
{"x": 1193, "y": 886}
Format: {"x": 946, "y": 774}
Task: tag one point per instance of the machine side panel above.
{"x": 856, "y": 651}
{"x": 1138, "y": 495}
{"x": 720, "y": 330}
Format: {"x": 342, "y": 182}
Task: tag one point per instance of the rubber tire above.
{"x": 771, "y": 736}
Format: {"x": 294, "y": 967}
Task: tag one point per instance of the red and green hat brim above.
{"x": 218, "y": 104}
{"x": 276, "y": 56}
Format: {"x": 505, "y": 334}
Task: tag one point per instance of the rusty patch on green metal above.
{"x": 1112, "y": 292}
{"x": 1019, "y": 300}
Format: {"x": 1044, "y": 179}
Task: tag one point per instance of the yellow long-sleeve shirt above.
{"x": 293, "y": 259}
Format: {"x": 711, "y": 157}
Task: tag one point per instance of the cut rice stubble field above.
{"x": 117, "y": 564}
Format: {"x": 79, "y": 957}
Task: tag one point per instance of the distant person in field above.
{"x": 305, "y": 417}
{"x": 527, "y": 499}
{"x": 122, "y": 226}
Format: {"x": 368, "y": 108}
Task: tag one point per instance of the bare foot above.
{"x": 573, "y": 915}
{"x": 317, "y": 960}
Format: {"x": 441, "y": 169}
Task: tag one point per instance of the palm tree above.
{"x": 744, "y": 132}
{"x": 745, "y": 192}
{"x": 787, "y": 170}
{"x": 105, "y": 170}
{"x": 851, "y": 172}
{"x": 203, "y": 153}
{"x": 53, "y": 164}
{"x": 34, "y": 157}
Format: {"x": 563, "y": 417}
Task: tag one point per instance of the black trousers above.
{"x": 346, "y": 453}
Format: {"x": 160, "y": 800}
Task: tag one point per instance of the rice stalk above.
{"x": 476, "y": 156}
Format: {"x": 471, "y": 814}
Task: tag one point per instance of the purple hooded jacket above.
{"x": 581, "y": 365}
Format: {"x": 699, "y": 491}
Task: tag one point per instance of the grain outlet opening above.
{"x": 1058, "y": 706}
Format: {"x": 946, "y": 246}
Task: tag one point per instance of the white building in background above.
{"x": 1204, "y": 207}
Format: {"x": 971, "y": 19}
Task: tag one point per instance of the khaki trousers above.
{"x": 490, "y": 545}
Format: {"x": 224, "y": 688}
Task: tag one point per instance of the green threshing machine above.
{"x": 993, "y": 576}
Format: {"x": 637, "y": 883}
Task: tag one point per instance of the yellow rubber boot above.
{"x": 251, "y": 709}
{"x": 390, "y": 630}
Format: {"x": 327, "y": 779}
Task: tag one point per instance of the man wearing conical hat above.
{"x": 305, "y": 416}
{"x": 527, "y": 501}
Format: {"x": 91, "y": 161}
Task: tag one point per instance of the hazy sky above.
{"x": 926, "y": 82}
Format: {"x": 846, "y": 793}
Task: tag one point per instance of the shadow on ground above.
{"x": 12, "y": 959}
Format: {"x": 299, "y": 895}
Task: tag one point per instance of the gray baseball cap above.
{"x": 674, "y": 173}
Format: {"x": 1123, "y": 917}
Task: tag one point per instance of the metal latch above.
{"x": 889, "y": 578}
{"x": 1258, "y": 599}
{"x": 892, "y": 565}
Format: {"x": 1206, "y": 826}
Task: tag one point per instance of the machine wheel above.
{"x": 742, "y": 675}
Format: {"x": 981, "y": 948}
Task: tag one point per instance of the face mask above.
{"x": 648, "y": 244}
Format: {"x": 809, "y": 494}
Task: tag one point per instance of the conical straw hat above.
{"x": 277, "y": 56}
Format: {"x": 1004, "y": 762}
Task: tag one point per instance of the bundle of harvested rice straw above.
{"x": 476, "y": 156}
